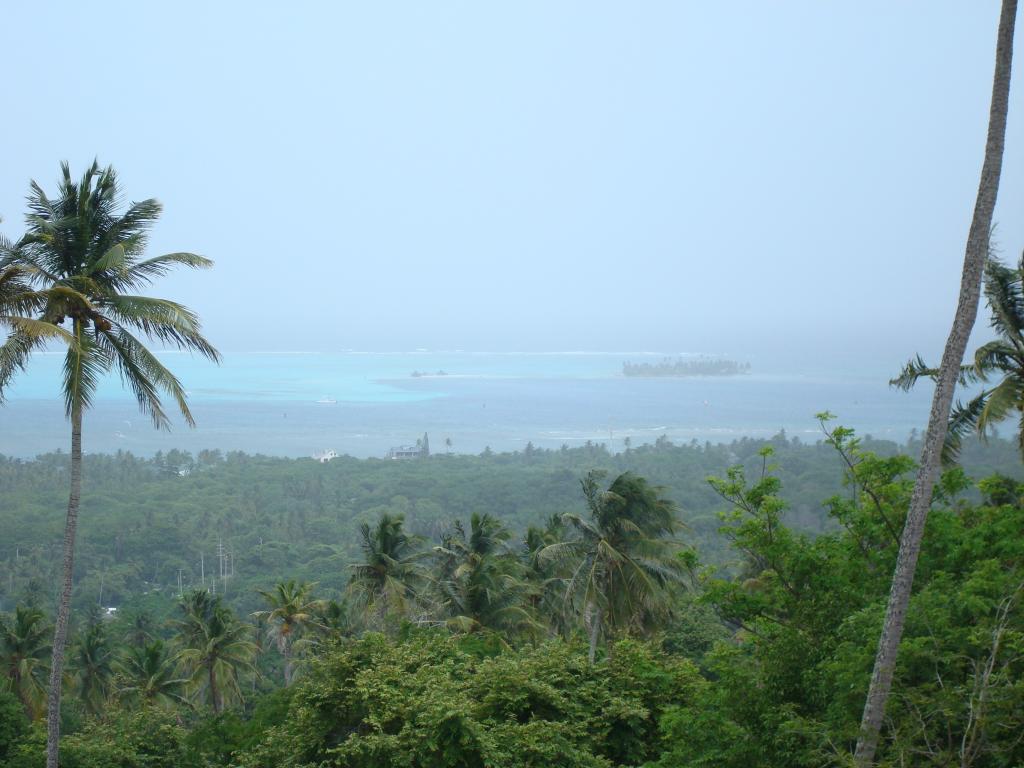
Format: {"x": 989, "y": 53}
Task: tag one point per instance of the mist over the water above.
{"x": 783, "y": 183}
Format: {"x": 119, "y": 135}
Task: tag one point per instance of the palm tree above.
{"x": 331, "y": 621}
{"x": 622, "y": 556}
{"x": 977, "y": 250}
{"x": 148, "y": 674}
{"x": 479, "y": 582}
{"x": 546, "y": 577}
{"x": 1001, "y": 358}
{"x": 214, "y": 647}
{"x": 386, "y": 582}
{"x": 23, "y": 653}
{"x": 332, "y": 618}
{"x": 91, "y": 667}
{"x": 140, "y": 629}
{"x": 291, "y": 612}
{"x": 86, "y": 257}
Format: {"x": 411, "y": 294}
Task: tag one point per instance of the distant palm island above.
{"x": 679, "y": 367}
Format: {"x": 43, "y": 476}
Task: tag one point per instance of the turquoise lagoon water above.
{"x": 271, "y": 403}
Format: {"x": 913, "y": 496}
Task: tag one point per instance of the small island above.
{"x": 702, "y": 366}
{"x": 419, "y": 374}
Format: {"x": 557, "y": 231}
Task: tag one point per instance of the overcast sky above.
{"x": 791, "y": 178}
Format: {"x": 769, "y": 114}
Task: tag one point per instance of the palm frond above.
{"x": 962, "y": 420}
{"x": 1002, "y": 399}
{"x": 1006, "y": 300}
{"x": 39, "y": 329}
{"x": 995, "y": 355}
{"x": 144, "y": 272}
{"x": 912, "y": 371}
{"x": 124, "y": 351}
{"x": 111, "y": 261}
{"x": 916, "y": 369}
{"x": 131, "y": 228}
{"x": 145, "y": 374}
{"x": 14, "y": 354}
{"x": 161, "y": 319}
{"x": 84, "y": 364}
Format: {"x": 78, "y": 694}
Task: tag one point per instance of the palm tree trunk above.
{"x": 60, "y": 634}
{"x": 214, "y": 690}
{"x": 23, "y": 695}
{"x": 286, "y": 651}
{"x": 595, "y": 632}
{"x": 966, "y": 311}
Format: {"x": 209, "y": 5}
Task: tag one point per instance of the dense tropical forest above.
{"x": 265, "y": 519}
{"x": 463, "y": 610}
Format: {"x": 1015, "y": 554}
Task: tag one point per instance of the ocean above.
{"x": 362, "y": 404}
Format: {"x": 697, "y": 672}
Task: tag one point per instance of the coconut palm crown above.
{"x": 387, "y": 582}
{"x": 84, "y": 258}
{"x": 292, "y": 611}
{"x": 621, "y": 556}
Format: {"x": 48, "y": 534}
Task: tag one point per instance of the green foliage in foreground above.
{"x": 764, "y": 663}
{"x": 427, "y": 701}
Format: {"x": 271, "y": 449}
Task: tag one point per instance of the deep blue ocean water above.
{"x": 270, "y": 403}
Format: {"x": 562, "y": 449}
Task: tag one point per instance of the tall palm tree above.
{"x": 91, "y": 666}
{"x": 331, "y": 622}
{"x": 385, "y": 584}
{"x": 479, "y": 583}
{"x": 332, "y": 619}
{"x": 1002, "y": 358}
{"x": 148, "y": 674}
{"x": 976, "y": 252}
{"x": 23, "y": 653}
{"x": 215, "y": 646}
{"x": 84, "y": 254}
{"x": 622, "y": 557}
{"x": 292, "y": 610}
{"x": 140, "y": 629}
{"x": 546, "y": 577}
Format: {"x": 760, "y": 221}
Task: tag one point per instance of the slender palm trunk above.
{"x": 23, "y": 695}
{"x": 214, "y": 690}
{"x": 289, "y": 672}
{"x": 382, "y": 610}
{"x": 595, "y": 632}
{"x": 966, "y": 311}
{"x": 60, "y": 634}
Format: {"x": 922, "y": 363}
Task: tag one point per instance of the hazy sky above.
{"x": 754, "y": 177}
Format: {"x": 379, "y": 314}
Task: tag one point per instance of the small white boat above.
{"x": 327, "y": 401}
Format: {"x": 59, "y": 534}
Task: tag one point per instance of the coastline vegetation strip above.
{"x": 679, "y": 367}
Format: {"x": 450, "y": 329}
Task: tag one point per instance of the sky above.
{"x": 787, "y": 179}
